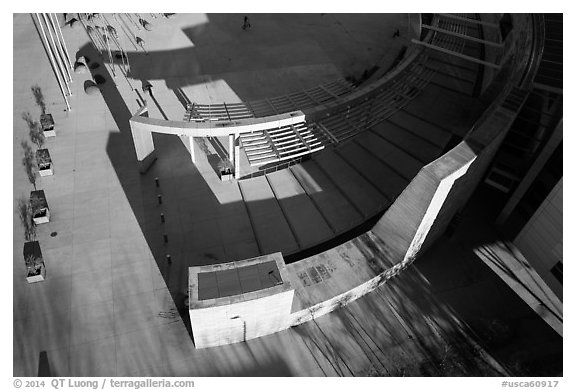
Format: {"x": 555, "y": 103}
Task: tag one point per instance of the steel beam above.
{"x": 464, "y": 36}
{"x": 456, "y": 54}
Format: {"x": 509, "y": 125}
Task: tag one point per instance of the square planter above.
{"x": 35, "y": 267}
{"x": 40, "y": 207}
{"x": 226, "y": 175}
{"x": 47, "y": 123}
{"x": 45, "y": 167}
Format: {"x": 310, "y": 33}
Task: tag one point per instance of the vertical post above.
{"x": 192, "y": 153}
{"x": 236, "y": 156}
{"x": 107, "y": 39}
{"x": 52, "y": 61}
{"x": 231, "y": 148}
{"x": 59, "y": 62}
{"x": 63, "y": 42}
{"x": 60, "y": 49}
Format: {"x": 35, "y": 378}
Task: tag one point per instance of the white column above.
{"x": 144, "y": 147}
{"x": 61, "y": 67}
{"x": 52, "y": 61}
{"x": 60, "y": 48}
{"x": 143, "y": 141}
{"x": 192, "y": 153}
{"x": 236, "y": 156}
{"x": 231, "y": 148}
{"x": 63, "y": 42}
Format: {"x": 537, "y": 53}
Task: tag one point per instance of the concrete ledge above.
{"x": 212, "y": 128}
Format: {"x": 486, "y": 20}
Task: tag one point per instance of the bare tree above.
{"x": 33, "y": 264}
{"x": 39, "y": 97}
{"x": 35, "y": 131}
{"x": 26, "y": 215}
{"x": 36, "y": 204}
{"x": 29, "y": 162}
{"x": 225, "y": 166}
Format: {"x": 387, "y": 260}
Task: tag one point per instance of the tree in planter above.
{"x": 32, "y": 253}
{"x": 33, "y": 264}
{"x": 26, "y": 214}
{"x": 37, "y": 137}
{"x": 29, "y": 162}
{"x": 37, "y": 206}
{"x": 39, "y": 97}
{"x": 34, "y": 130}
{"x": 225, "y": 166}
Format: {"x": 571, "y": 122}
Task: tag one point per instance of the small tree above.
{"x": 225, "y": 165}
{"x": 39, "y": 97}
{"x": 26, "y": 215}
{"x": 36, "y": 204}
{"x": 33, "y": 264}
{"x": 29, "y": 162}
{"x": 35, "y": 131}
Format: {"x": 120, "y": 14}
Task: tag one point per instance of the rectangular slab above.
{"x": 402, "y": 162}
{"x": 381, "y": 175}
{"x": 308, "y": 224}
{"x": 270, "y": 226}
{"x": 363, "y": 194}
{"x": 423, "y": 128}
{"x": 414, "y": 145}
{"x": 335, "y": 207}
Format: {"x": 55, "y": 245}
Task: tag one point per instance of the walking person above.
{"x": 246, "y": 25}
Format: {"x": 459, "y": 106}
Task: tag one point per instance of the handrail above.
{"x": 515, "y": 65}
{"x": 538, "y": 40}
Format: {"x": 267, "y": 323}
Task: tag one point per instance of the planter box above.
{"x": 40, "y": 206}
{"x": 226, "y": 175}
{"x": 35, "y": 270}
{"x": 45, "y": 167}
{"x": 47, "y": 123}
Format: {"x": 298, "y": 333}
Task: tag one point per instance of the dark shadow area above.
{"x": 44, "y": 365}
{"x": 182, "y": 98}
{"x": 139, "y": 189}
{"x": 98, "y": 79}
{"x": 220, "y": 150}
{"x": 273, "y": 367}
{"x": 500, "y": 264}
{"x": 151, "y": 94}
{"x": 491, "y": 312}
{"x": 213, "y": 159}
